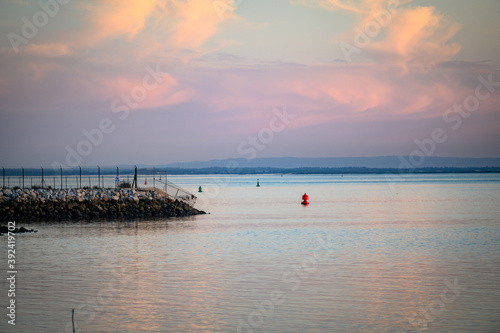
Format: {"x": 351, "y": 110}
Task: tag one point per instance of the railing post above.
{"x": 43, "y": 181}
{"x": 154, "y": 177}
{"x": 23, "y": 175}
{"x": 98, "y": 176}
{"x": 134, "y": 182}
{"x": 80, "y": 176}
{"x": 61, "y": 179}
{"x": 3, "y": 184}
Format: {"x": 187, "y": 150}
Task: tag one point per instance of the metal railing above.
{"x": 145, "y": 179}
{"x": 175, "y": 192}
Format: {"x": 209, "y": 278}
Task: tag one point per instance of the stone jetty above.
{"x": 86, "y": 204}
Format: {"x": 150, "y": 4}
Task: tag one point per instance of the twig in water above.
{"x": 73, "y": 319}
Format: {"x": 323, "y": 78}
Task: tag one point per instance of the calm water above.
{"x": 422, "y": 255}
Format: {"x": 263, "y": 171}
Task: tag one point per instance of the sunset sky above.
{"x": 165, "y": 81}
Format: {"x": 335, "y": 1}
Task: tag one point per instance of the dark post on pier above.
{"x": 117, "y": 177}
{"x": 134, "y": 182}
{"x": 42, "y": 177}
{"x": 23, "y": 175}
{"x": 80, "y": 177}
{"x": 99, "y": 177}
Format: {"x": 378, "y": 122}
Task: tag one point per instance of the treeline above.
{"x": 324, "y": 170}
{"x": 246, "y": 170}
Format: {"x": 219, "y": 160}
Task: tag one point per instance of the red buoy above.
{"x": 305, "y": 199}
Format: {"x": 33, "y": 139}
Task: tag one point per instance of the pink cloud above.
{"x": 175, "y": 24}
{"x": 406, "y": 35}
{"x": 416, "y": 37}
{"x": 114, "y": 18}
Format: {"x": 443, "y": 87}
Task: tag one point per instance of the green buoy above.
{"x": 258, "y": 185}
{"x": 199, "y": 189}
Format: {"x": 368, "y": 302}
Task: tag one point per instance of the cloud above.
{"x": 340, "y": 5}
{"x": 362, "y": 7}
{"x": 176, "y": 24}
{"x": 324, "y": 94}
{"x": 395, "y": 33}
{"x": 105, "y": 52}
{"x": 46, "y": 50}
{"x": 406, "y": 72}
{"x": 114, "y": 18}
{"x": 194, "y": 22}
{"x": 416, "y": 37}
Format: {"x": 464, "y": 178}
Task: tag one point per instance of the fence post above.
{"x": 43, "y": 181}
{"x": 134, "y": 183}
{"x": 80, "y": 177}
{"x": 23, "y": 176}
{"x": 154, "y": 177}
{"x": 3, "y": 185}
{"x": 61, "y": 179}
{"x": 98, "y": 177}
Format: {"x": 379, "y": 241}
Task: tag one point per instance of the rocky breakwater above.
{"x": 85, "y": 204}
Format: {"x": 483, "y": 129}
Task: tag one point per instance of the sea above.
{"x": 370, "y": 253}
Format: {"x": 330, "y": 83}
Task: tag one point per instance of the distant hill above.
{"x": 297, "y": 165}
{"x": 383, "y": 162}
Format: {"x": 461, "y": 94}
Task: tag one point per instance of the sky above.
{"x": 161, "y": 81}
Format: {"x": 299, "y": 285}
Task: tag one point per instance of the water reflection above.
{"x": 393, "y": 256}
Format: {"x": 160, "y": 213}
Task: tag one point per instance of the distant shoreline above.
{"x": 124, "y": 171}
{"x": 320, "y": 171}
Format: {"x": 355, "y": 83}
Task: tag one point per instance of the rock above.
{"x": 73, "y": 204}
{"x": 22, "y": 230}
